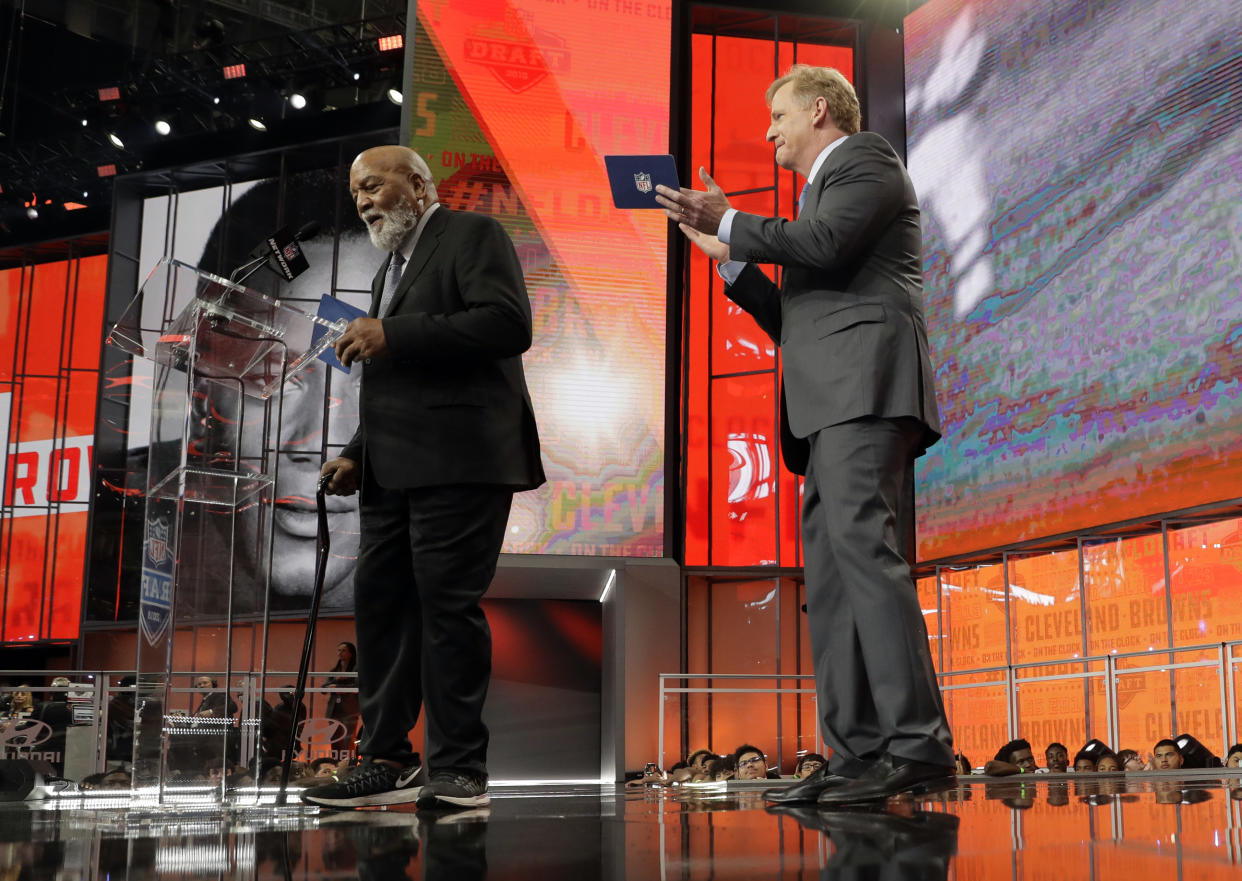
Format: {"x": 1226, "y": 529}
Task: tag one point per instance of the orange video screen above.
{"x": 514, "y": 104}
{"x": 51, "y": 316}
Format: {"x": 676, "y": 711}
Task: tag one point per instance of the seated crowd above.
{"x": 1096, "y": 757}
{"x": 748, "y": 762}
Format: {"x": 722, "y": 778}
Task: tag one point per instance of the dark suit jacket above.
{"x": 848, "y": 315}
{"x": 448, "y": 404}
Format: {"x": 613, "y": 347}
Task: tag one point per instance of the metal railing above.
{"x": 1227, "y": 662}
{"x": 88, "y": 738}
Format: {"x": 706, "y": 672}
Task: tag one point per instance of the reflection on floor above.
{"x": 1141, "y": 828}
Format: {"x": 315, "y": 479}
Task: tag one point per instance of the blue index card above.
{"x": 634, "y": 178}
{"x": 333, "y": 310}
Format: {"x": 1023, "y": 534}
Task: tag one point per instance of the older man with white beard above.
{"x": 446, "y": 436}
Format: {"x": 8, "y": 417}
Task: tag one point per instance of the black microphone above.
{"x": 280, "y": 253}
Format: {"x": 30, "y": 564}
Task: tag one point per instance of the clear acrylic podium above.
{"x": 221, "y": 355}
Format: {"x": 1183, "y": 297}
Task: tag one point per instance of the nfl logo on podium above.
{"x": 642, "y": 180}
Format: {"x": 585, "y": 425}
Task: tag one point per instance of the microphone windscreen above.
{"x": 309, "y": 230}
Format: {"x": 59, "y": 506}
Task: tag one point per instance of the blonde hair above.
{"x": 828, "y": 83}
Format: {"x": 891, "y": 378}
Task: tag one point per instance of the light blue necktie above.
{"x": 391, "y": 280}
{"x": 802, "y": 196}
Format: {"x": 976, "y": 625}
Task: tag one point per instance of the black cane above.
{"x": 308, "y": 644}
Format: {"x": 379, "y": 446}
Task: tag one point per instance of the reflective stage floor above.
{"x": 1141, "y": 828}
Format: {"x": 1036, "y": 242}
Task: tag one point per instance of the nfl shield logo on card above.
{"x": 642, "y": 180}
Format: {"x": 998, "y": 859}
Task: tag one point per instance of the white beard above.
{"x": 396, "y": 226}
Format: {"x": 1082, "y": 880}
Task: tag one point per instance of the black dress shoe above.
{"x": 887, "y": 778}
{"x": 805, "y": 792}
{"x": 807, "y": 816}
{"x": 869, "y": 838}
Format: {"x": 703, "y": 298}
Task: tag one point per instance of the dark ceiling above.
{"x": 166, "y": 59}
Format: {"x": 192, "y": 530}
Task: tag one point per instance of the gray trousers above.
{"x": 874, "y": 677}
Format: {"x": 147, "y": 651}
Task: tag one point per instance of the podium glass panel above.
{"x": 221, "y": 363}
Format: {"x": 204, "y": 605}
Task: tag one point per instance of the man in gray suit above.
{"x": 858, "y": 406}
{"x": 447, "y": 435}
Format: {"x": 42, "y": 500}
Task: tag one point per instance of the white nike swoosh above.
{"x": 404, "y": 780}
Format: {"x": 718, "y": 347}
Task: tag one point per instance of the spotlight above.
{"x": 162, "y": 126}
{"x": 86, "y": 194}
{"x": 257, "y": 124}
{"x": 84, "y": 123}
{"x": 215, "y": 100}
{"x": 32, "y": 212}
{"x": 394, "y": 96}
{"x": 105, "y": 170}
{"x": 394, "y": 41}
{"x": 234, "y": 71}
{"x": 110, "y": 93}
{"x": 357, "y": 76}
{"x": 297, "y": 101}
{"x": 116, "y": 140}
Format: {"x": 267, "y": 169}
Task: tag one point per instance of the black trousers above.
{"x": 874, "y": 678}
{"x": 426, "y": 558}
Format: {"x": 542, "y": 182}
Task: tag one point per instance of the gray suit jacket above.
{"x": 448, "y": 404}
{"x": 848, "y": 315}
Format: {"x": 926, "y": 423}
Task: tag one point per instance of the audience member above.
{"x": 1107, "y": 763}
{"x": 323, "y": 767}
{"x": 1014, "y": 757}
{"x": 1130, "y": 760}
{"x": 963, "y": 764}
{"x": 1233, "y": 758}
{"x": 721, "y": 768}
{"x": 214, "y": 702}
{"x": 1056, "y": 757}
{"x": 808, "y": 764}
{"x": 1084, "y": 762}
{"x": 698, "y": 760}
{"x": 343, "y": 705}
{"x": 21, "y": 703}
{"x": 752, "y": 764}
{"x": 1165, "y": 756}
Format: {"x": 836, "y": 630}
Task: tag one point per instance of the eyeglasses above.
{"x": 753, "y": 760}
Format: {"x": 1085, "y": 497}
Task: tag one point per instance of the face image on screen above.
{"x": 214, "y": 229}
{"x": 1077, "y": 166}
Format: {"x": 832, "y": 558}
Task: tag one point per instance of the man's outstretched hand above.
{"x": 698, "y": 209}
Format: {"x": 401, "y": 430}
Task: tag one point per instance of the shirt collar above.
{"x": 410, "y": 241}
{"x": 823, "y": 154}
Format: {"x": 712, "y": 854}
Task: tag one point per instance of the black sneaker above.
{"x": 455, "y": 789}
{"x": 370, "y": 783}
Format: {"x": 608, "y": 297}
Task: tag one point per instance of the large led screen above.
{"x": 514, "y": 104}
{"x": 1077, "y": 165}
{"x": 51, "y": 316}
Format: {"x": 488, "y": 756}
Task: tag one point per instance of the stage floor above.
{"x": 1141, "y": 828}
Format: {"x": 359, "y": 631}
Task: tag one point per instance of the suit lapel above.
{"x": 825, "y": 173}
{"x": 427, "y": 243}
{"x": 426, "y": 246}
